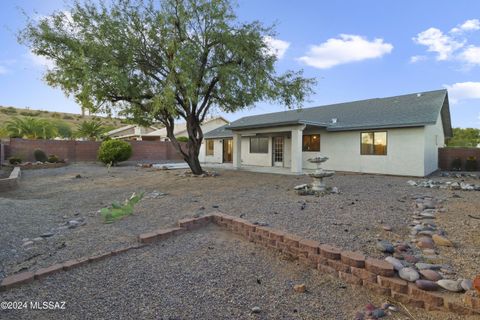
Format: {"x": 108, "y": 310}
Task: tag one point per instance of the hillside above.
{"x": 72, "y": 119}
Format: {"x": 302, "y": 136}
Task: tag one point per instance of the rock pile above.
{"x": 416, "y": 260}
{"x": 440, "y": 184}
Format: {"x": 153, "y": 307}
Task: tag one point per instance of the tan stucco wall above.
{"x": 217, "y": 152}
{"x": 434, "y": 139}
{"x": 410, "y": 151}
{"x": 405, "y": 153}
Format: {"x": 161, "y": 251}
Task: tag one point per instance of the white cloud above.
{"x": 348, "y": 48}
{"x": 463, "y": 91}
{"x": 471, "y": 55}
{"x": 276, "y": 46}
{"x": 438, "y": 42}
{"x": 40, "y": 61}
{"x": 468, "y": 25}
{"x": 415, "y": 59}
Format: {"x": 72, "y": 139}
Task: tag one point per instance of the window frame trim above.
{"x": 319, "y": 141}
{"x": 250, "y": 145}
{"x": 373, "y": 144}
{"x": 207, "y": 141}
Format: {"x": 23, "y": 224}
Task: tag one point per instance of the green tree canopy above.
{"x": 163, "y": 60}
{"x": 464, "y": 137}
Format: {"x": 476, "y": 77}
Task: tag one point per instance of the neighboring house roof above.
{"x": 125, "y": 128}
{"x": 120, "y": 129}
{"x": 410, "y": 110}
{"x": 220, "y": 132}
{"x": 181, "y": 127}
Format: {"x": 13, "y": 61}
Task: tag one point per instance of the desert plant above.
{"x": 31, "y": 128}
{"x": 14, "y": 160}
{"x": 40, "y": 155}
{"x": 53, "y": 159}
{"x": 457, "y": 164}
{"x": 471, "y": 164}
{"x": 90, "y": 129}
{"x": 63, "y": 129}
{"x": 118, "y": 211}
{"x": 182, "y": 139}
{"x": 113, "y": 151}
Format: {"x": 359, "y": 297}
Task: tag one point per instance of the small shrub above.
{"x": 67, "y": 117}
{"x": 471, "y": 164}
{"x": 8, "y": 110}
{"x": 113, "y": 151}
{"x": 39, "y": 155}
{"x": 182, "y": 139}
{"x": 118, "y": 211}
{"x": 30, "y": 113}
{"x": 53, "y": 159}
{"x": 56, "y": 115}
{"x": 14, "y": 160}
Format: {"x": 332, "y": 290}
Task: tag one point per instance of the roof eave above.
{"x": 386, "y": 126}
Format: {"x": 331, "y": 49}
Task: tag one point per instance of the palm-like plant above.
{"x": 91, "y": 129}
{"x": 31, "y": 128}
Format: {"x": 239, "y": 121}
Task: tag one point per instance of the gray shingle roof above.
{"x": 410, "y": 110}
{"x": 219, "y": 133}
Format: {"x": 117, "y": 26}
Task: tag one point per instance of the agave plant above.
{"x": 91, "y": 129}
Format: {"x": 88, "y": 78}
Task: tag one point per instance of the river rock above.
{"x": 430, "y": 275}
{"x": 441, "y": 241}
{"x": 426, "y": 233}
{"x": 385, "y": 246}
{"x": 425, "y": 243}
{"x": 411, "y": 259}
{"x": 466, "y": 284}
{"x": 450, "y": 285}
{"x": 426, "y": 285}
{"x": 378, "y": 313}
{"x": 256, "y": 310}
{"x": 387, "y": 227}
{"x": 397, "y": 265}
{"x": 423, "y": 266}
{"x": 409, "y": 274}
{"x": 301, "y": 186}
{"x": 301, "y": 288}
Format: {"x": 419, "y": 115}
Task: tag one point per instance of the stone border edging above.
{"x": 351, "y": 267}
{"x": 12, "y": 181}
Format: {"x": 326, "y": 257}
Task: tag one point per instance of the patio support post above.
{"x": 237, "y": 150}
{"x": 297, "y": 161}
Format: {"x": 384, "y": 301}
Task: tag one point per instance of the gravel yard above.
{"x": 353, "y": 219}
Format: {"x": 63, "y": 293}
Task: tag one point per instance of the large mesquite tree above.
{"x": 161, "y": 61}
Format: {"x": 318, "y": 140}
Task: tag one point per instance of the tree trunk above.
{"x": 195, "y": 137}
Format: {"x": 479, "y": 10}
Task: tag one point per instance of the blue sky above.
{"x": 355, "y": 49}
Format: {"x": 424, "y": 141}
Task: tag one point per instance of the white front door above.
{"x": 277, "y": 151}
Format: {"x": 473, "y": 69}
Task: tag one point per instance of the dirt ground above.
{"x": 352, "y": 219}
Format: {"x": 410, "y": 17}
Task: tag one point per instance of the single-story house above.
{"x": 180, "y": 129}
{"x": 133, "y": 132}
{"x": 397, "y": 135}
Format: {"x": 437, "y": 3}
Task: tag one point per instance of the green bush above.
{"x": 14, "y": 160}
{"x": 114, "y": 151}
{"x": 67, "y": 117}
{"x": 30, "y": 113}
{"x": 39, "y": 155}
{"x": 457, "y": 164}
{"x": 53, "y": 158}
{"x": 8, "y": 110}
{"x": 182, "y": 139}
{"x": 471, "y": 164}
